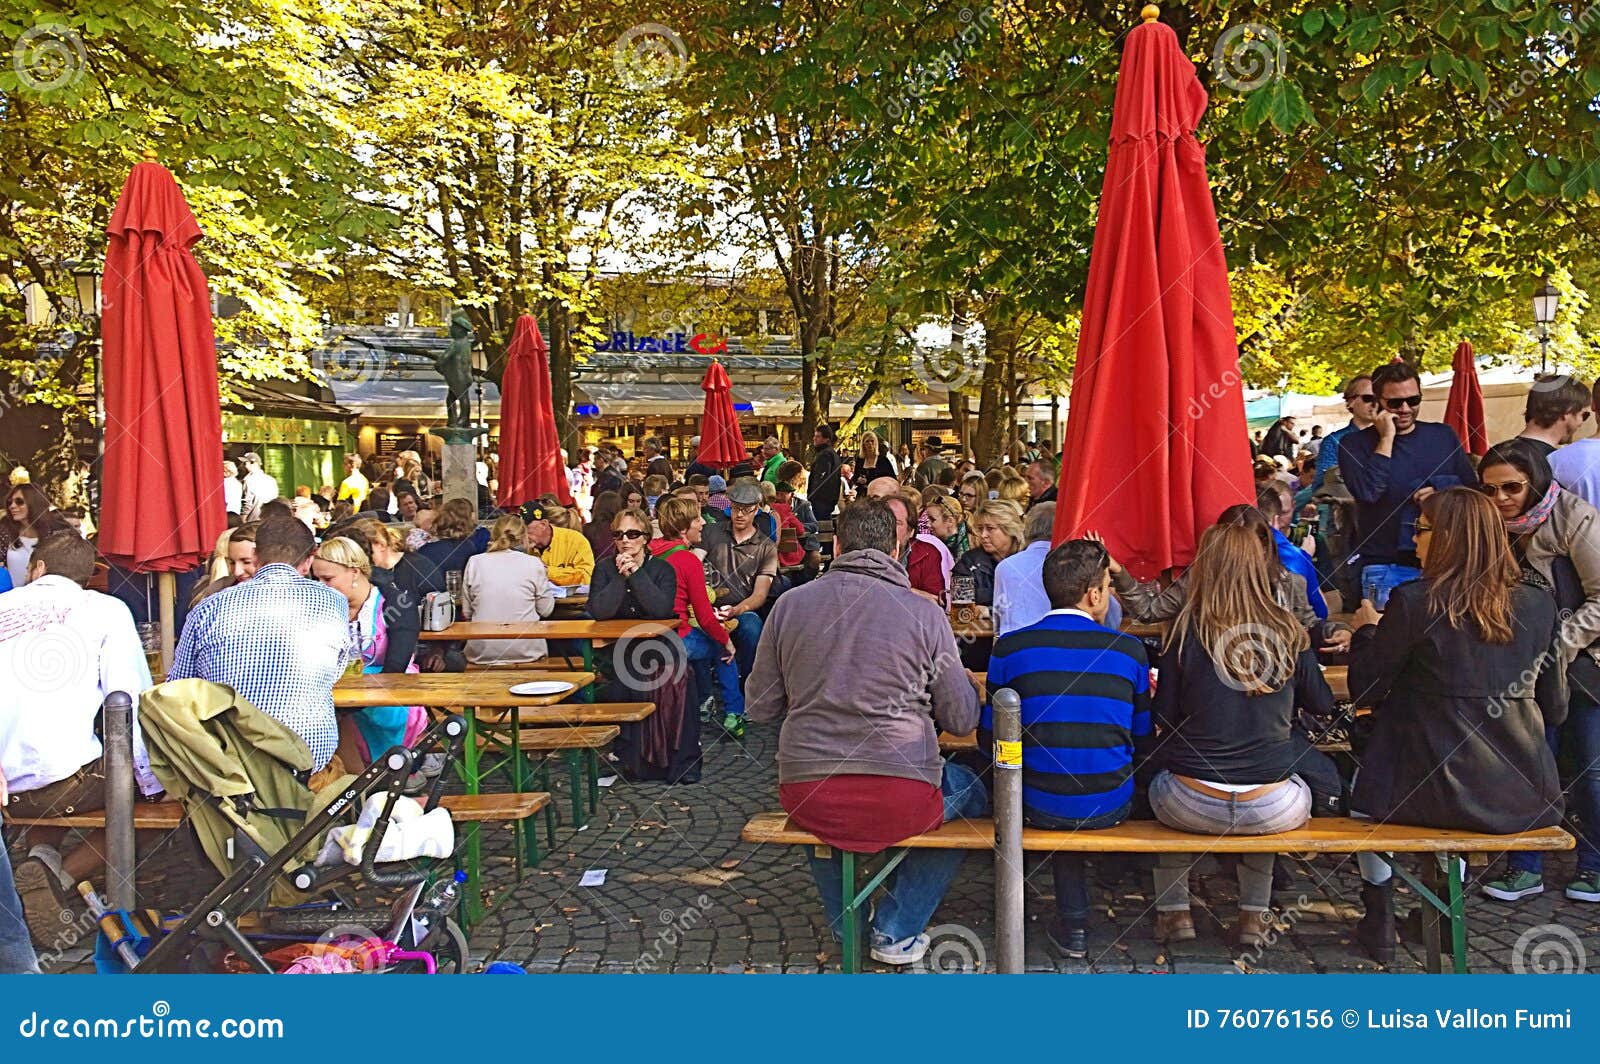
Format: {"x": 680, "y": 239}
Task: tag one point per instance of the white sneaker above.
{"x": 432, "y": 765}
{"x": 906, "y": 951}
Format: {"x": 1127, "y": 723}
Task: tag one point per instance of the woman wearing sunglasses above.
{"x": 630, "y": 583}
{"x": 1454, "y": 672}
{"x": 1557, "y": 535}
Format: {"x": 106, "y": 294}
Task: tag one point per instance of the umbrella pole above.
{"x": 167, "y": 592}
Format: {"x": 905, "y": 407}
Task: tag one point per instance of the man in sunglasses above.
{"x": 1390, "y": 467}
{"x": 1362, "y": 404}
{"x": 1557, "y": 410}
{"x": 1577, "y": 465}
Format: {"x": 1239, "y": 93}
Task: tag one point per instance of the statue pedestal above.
{"x": 460, "y": 463}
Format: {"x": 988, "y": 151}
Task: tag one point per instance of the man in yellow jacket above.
{"x": 566, "y": 554}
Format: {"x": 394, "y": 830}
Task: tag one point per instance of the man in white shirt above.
{"x": 1019, "y": 595}
{"x": 1577, "y": 465}
{"x": 259, "y": 488}
{"x": 63, "y": 649}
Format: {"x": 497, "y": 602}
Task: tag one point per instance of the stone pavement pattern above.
{"x": 682, "y": 893}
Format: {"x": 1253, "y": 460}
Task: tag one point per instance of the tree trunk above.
{"x": 1000, "y": 339}
{"x": 956, "y": 399}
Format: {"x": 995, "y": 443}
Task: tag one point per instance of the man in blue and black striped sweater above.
{"x": 1085, "y": 692}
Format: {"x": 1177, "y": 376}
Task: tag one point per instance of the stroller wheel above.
{"x": 448, "y": 944}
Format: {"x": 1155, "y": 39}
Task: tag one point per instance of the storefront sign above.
{"x": 672, "y": 343}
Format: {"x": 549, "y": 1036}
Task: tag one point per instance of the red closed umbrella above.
{"x": 1156, "y": 443}
{"x": 1463, "y": 411}
{"x": 721, "y": 439}
{"x": 161, "y": 503}
{"x": 530, "y": 449}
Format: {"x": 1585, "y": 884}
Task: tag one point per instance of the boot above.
{"x": 1256, "y": 928}
{"x": 1175, "y": 926}
{"x": 1375, "y": 932}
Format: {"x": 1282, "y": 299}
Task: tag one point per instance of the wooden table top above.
{"x": 450, "y": 690}
{"x": 554, "y": 628}
{"x": 982, "y": 626}
{"x": 1338, "y": 677}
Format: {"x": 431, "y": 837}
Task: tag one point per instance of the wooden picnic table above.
{"x": 451, "y": 690}
{"x": 977, "y": 622}
{"x": 1338, "y": 677}
{"x": 459, "y": 691}
{"x": 552, "y": 628}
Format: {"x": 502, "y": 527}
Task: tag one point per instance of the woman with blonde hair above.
{"x": 872, "y": 462}
{"x": 997, "y": 532}
{"x": 505, "y": 583}
{"x": 1014, "y": 488}
{"x": 342, "y": 563}
{"x": 1235, "y": 667}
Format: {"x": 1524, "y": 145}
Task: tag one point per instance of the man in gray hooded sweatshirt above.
{"x": 865, "y": 673}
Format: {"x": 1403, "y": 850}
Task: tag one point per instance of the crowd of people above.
{"x": 1470, "y": 621}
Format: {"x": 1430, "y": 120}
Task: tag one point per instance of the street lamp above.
{"x": 87, "y": 277}
{"x": 1545, "y": 302}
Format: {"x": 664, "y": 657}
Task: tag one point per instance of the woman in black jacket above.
{"x": 1234, "y": 670}
{"x": 630, "y": 584}
{"x": 873, "y": 462}
{"x": 1455, "y": 669}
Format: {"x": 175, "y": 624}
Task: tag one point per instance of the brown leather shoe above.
{"x": 1177, "y": 926}
{"x": 1256, "y": 928}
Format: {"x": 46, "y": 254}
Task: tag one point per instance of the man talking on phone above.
{"x": 1390, "y": 467}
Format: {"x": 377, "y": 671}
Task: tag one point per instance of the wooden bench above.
{"x": 570, "y": 713}
{"x": 950, "y": 743}
{"x": 579, "y": 747}
{"x": 1320, "y": 835}
{"x": 474, "y": 809}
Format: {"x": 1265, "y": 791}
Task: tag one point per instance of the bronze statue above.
{"x": 455, "y": 366}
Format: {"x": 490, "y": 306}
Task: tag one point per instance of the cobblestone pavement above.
{"x": 682, "y": 893}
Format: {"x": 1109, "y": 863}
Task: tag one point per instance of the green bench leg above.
{"x": 1458, "y": 915}
{"x": 850, "y": 962}
{"x": 1441, "y": 874}
{"x": 591, "y": 761}
{"x": 472, "y": 904}
{"x": 856, "y": 901}
{"x": 543, "y": 778}
{"x": 574, "y": 760}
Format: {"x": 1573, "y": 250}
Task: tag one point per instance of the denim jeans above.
{"x": 1583, "y": 724}
{"x": 705, "y": 654}
{"x": 1382, "y": 579}
{"x": 16, "y": 948}
{"x": 1070, "y": 870}
{"x": 745, "y": 638}
{"x": 1179, "y": 806}
{"x": 918, "y": 884}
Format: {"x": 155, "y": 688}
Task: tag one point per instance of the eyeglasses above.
{"x": 745, "y": 508}
{"x": 1412, "y": 401}
{"x": 627, "y": 533}
{"x": 1369, "y": 398}
{"x": 1510, "y": 489}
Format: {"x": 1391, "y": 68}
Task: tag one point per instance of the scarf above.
{"x": 1536, "y": 514}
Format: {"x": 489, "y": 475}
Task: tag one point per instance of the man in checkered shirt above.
{"x": 278, "y": 639}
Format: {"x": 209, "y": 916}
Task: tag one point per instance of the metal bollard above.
{"x": 117, "y": 729}
{"x": 1008, "y": 829}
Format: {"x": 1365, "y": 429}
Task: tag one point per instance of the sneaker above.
{"x": 1585, "y": 888}
{"x": 432, "y": 765}
{"x": 1515, "y": 885}
{"x": 47, "y": 904}
{"x": 906, "y": 951}
{"x": 733, "y": 724}
{"x": 416, "y": 783}
{"x": 1069, "y": 942}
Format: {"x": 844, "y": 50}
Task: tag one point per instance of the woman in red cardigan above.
{"x": 700, "y": 623}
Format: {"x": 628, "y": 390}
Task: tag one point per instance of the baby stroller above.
{"x": 243, "y": 780}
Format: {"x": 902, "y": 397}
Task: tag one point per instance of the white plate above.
{"x": 542, "y": 687}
